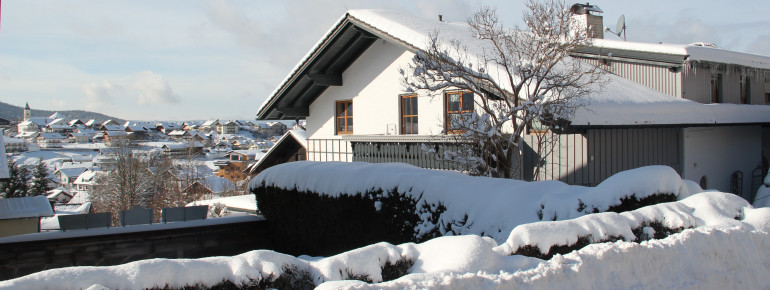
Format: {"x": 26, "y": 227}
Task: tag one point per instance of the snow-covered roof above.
{"x": 53, "y": 193}
{"x": 300, "y": 136}
{"x": 115, "y": 133}
{"x": 209, "y": 123}
{"x": 620, "y": 102}
{"x": 22, "y": 207}
{"x": 178, "y": 133}
{"x": 87, "y": 177}
{"x": 691, "y": 52}
{"x": 111, "y": 127}
{"x": 73, "y": 171}
{"x": 3, "y": 160}
{"x": 623, "y": 102}
{"x": 57, "y": 121}
{"x": 51, "y": 136}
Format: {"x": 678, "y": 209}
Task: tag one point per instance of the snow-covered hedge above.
{"x": 333, "y": 201}
{"x": 723, "y": 250}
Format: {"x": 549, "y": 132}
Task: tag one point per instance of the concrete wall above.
{"x": 22, "y": 258}
{"x": 717, "y": 152}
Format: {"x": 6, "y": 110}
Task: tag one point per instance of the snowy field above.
{"x": 724, "y": 245}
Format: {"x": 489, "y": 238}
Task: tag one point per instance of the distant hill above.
{"x": 11, "y": 112}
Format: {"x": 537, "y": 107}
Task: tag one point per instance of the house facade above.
{"x": 349, "y": 91}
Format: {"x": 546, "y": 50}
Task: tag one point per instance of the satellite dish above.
{"x": 620, "y": 28}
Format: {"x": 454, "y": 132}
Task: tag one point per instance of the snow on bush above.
{"x": 725, "y": 248}
{"x": 474, "y": 205}
{"x": 762, "y": 198}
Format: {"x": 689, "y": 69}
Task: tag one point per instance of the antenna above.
{"x": 620, "y": 28}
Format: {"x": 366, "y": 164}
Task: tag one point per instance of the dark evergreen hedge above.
{"x": 307, "y": 223}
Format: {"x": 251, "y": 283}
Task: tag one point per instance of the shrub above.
{"x": 660, "y": 232}
{"x": 316, "y": 224}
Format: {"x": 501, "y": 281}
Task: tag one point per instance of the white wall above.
{"x": 374, "y": 84}
{"x": 717, "y": 152}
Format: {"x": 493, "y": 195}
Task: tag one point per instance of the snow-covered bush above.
{"x": 338, "y": 205}
{"x": 762, "y": 198}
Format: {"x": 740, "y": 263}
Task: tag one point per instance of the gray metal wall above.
{"x": 697, "y": 82}
{"x": 657, "y": 77}
{"x": 591, "y": 157}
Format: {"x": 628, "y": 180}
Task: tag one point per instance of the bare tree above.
{"x": 517, "y": 75}
{"x": 125, "y": 186}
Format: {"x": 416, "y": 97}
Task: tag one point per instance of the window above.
{"x": 536, "y": 127}
{"x": 745, "y": 89}
{"x": 716, "y": 88}
{"x": 344, "y": 117}
{"x": 409, "y": 114}
{"x": 459, "y": 105}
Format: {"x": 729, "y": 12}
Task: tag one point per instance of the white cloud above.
{"x": 99, "y": 95}
{"x": 151, "y": 88}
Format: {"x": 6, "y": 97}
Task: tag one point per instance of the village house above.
{"x": 115, "y": 138}
{"x": 210, "y": 125}
{"x": 353, "y": 77}
{"x": 291, "y": 147}
{"x": 51, "y": 140}
{"x": 59, "y": 195}
{"x": 15, "y": 145}
{"x": 236, "y": 163}
{"x": 229, "y": 127}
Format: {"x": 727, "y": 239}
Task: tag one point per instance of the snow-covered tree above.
{"x": 17, "y": 185}
{"x": 519, "y": 76}
{"x": 40, "y": 181}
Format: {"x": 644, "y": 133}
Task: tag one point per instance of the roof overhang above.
{"x": 320, "y": 69}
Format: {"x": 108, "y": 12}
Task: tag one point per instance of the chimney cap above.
{"x": 579, "y": 8}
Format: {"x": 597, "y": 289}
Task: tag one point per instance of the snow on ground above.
{"x": 493, "y": 206}
{"x": 240, "y": 203}
{"x": 725, "y": 248}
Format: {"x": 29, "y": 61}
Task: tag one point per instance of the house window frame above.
{"x": 462, "y": 111}
{"x": 531, "y": 127}
{"x": 717, "y": 95}
{"x": 409, "y": 121}
{"x": 745, "y": 89}
{"x": 346, "y": 116}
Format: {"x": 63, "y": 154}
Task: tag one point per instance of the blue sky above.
{"x": 203, "y": 59}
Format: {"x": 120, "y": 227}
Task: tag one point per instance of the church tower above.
{"x": 27, "y": 112}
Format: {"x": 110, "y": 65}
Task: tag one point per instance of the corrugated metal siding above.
{"x": 590, "y": 158}
{"x": 614, "y": 150}
{"x": 697, "y": 84}
{"x": 566, "y": 162}
{"x": 659, "y": 78}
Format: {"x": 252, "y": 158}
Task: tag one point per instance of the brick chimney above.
{"x": 585, "y": 16}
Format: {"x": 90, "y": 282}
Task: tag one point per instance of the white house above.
{"x": 348, "y": 88}
{"x": 51, "y": 140}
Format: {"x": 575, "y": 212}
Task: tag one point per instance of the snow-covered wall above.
{"x": 717, "y": 152}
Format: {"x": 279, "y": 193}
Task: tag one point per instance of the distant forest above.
{"x": 13, "y": 113}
